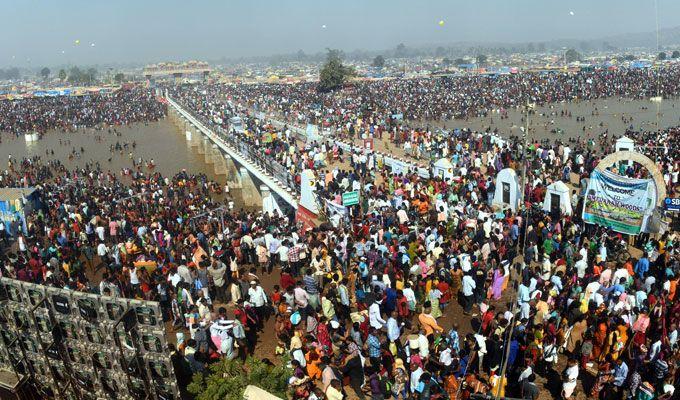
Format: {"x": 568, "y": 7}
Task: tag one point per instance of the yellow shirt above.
{"x": 429, "y": 324}
{"x": 496, "y": 386}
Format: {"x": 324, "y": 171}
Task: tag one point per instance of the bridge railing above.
{"x": 248, "y": 148}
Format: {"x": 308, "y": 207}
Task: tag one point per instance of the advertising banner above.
{"x": 617, "y": 202}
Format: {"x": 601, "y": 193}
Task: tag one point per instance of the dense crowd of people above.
{"x": 41, "y": 114}
{"x": 424, "y": 290}
{"x": 390, "y": 101}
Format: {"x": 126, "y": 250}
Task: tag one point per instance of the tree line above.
{"x": 74, "y": 75}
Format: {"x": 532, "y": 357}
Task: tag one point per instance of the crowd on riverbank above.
{"x": 376, "y": 287}
{"x": 422, "y": 291}
{"x": 41, "y": 114}
{"x": 388, "y": 103}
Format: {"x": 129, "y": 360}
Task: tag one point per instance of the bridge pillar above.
{"x": 233, "y": 176}
{"x": 248, "y": 189}
{"x": 220, "y": 165}
{"x": 269, "y": 203}
{"x": 195, "y": 138}
{"x": 204, "y": 147}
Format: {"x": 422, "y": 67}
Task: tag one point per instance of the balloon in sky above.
{"x": 92, "y": 44}
{"x": 77, "y": 41}
{"x": 441, "y": 22}
{"x": 571, "y": 13}
{"x": 323, "y": 26}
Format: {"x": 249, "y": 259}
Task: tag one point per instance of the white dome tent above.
{"x": 507, "y": 189}
{"x": 443, "y": 169}
{"x": 557, "y": 198}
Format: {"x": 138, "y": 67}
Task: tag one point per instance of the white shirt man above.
{"x": 580, "y": 267}
{"x": 100, "y": 232}
{"x": 403, "y": 217}
{"x": 102, "y": 250}
{"x": 392, "y": 329}
{"x": 410, "y": 295}
{"x": 257, "y": 296}
{"x": 374, "y": 317}
{"x": 469, "y": 285}
{"x": 184, "y": 272}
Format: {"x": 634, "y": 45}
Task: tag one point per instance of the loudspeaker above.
{"x": 12, "y": 290}
{"x": 148, "y": 313}
{"x": 160, "y": 368}
{"x": 102, "y": 359}
{"x": 61, "y": 301}
{"x": 153, "y": 341}
{"x": 88, "y": 306}
{"x": 34, "y": 293}
{"x": 113, "y": 307}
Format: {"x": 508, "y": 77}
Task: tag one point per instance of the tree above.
{"x": 572, "y": 55}
{"x": 12, "y": 74}
{"x": 62, "y": 75}
{"x": 447, "y": 61}
{"x": 440, "y": 51}
{"x": 459, "y": 61}
{"x": 379, "y": 61}
{"x": 75, "y": 75}
{"x": 119, "y": 77}
{"x": 91, "y": 75}
{"x": 300, "y": 56}
{"x": 45, "y": 73}
{"x": 661, "y": 56}
{"x": 531, "y": 48}
{"x": 629, "y": 57}
{"x": 228, "y": 379}
{"x": 333, "y": 74}
{"x": 400, "y": 51}
{"x": 676, "y": 54}
{"x": 541, "y": 47}
{"x": 481, "y": 59}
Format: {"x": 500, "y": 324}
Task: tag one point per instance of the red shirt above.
{"x": 286, "y": 281}
{"x": 402, "y": 306}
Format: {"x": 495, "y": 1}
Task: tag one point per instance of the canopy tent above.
{"x": 255, "y": 393}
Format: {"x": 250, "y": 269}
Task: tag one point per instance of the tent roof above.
{"x": 558, "y": 186}
{"x": 506, "y": 171}
{"x": 443, "y": 163}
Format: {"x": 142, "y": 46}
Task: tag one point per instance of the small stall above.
{"x": 15, "y": 204}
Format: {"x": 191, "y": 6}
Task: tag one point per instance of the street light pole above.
{"x": 504, "y": 368}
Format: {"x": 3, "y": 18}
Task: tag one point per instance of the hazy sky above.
{"x": 35, "y": 32}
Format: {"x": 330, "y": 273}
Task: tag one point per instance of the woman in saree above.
{"x": 599, "y": 340}
{"x": 619, "y": 339}
{"x": 497, "y": 283}
{"x": 434, "y": 296}
{"x": 603, "y": 376}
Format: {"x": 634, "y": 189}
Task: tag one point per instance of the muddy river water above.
{"x": 166, "y": 145}
{"x": 613, "y": 115}
{"x": 159, "y": 141}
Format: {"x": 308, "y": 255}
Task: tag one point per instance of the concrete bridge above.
{"x": 210, "y": 141}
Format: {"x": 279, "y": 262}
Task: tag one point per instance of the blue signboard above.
{"x": 672, "y": 204}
